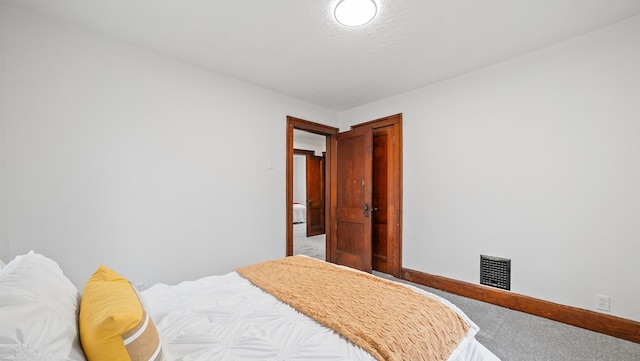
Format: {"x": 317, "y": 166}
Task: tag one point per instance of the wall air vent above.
{"x": 495, "y": 272}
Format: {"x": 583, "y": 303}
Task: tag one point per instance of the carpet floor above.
{"x": 308, "y": 246}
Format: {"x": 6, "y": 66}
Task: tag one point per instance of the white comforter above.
{"x": 299, "y": 213}
{"x": 227, "y": 318}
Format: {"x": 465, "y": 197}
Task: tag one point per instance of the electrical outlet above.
{"x": 603, "y": 303}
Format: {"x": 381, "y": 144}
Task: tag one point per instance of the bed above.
{"x": 299, "y": 213}
{"x": 222, "y": 317}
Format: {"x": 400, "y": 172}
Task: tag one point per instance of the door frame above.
{"x": 320, "y": 129}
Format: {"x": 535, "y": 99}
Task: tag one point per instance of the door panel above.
{"x": 351, "y": 241}
{"x": 315, "y": 195}
{"x": 351, "y": 237}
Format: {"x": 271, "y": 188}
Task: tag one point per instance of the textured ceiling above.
{"x": 295, "y": 47}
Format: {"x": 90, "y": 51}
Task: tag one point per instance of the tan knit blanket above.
{"x": 387, "y": 319}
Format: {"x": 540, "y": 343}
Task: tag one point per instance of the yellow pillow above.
{"x": 114, "y": 326}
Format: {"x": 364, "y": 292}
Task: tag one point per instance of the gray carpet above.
{"x": 516, "y": 336}
{"x": 308, "y": 246}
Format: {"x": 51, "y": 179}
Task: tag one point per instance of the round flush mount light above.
{"x": 355, "y": 12}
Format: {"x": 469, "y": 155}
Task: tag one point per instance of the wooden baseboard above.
{"x": 590, "y": 320}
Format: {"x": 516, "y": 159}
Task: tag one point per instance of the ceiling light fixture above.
{"x": 355, "y": 12}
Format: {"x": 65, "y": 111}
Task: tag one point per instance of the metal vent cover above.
{"x": 495, "y": 272}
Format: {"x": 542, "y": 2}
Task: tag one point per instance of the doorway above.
{"x": 318, "y": 211}
{"x": 309, "y": 195}
{"x": 380, "y": 246}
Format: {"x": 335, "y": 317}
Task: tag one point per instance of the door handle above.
{"x": 366, "y": 209}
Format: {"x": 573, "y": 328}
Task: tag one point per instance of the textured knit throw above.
{"x": 387, "y": 319}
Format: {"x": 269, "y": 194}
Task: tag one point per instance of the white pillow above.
{"x": 39, "y": 311}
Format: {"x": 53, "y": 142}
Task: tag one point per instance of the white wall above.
{"x": 4, "y": 239}
{"x": 535, "y": 159}
{"x": 309, "y": 141}
{"x": 122, "y": 157}
{"x": 300, "y": 179}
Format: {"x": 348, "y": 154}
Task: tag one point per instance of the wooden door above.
{"x": 386, "y": 232}
{"x": 315, "y": 195}
{"x": 351, "y": 237}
